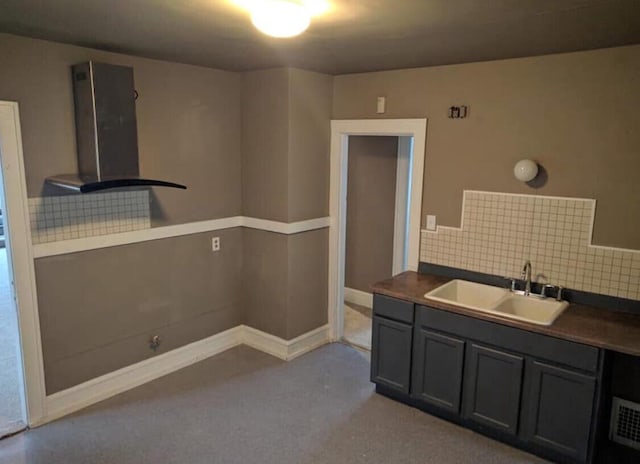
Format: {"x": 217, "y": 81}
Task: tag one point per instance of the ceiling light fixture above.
{"x": 280, "y": 18}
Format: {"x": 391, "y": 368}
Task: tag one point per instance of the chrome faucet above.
{"x": 526, "y": 276}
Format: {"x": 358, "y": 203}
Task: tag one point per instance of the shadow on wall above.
{"x": 541, "y": 179}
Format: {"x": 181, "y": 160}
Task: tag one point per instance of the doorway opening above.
{"x": 377, "y": 215}
{"x": 394, "y": 249}
{"x": 12, "y": 401}
{"x": 22, "y": 389}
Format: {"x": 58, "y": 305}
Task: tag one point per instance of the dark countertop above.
{"x": 611, "y": 330}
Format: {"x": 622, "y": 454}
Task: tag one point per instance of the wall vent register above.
{"x": 625, "y": 423}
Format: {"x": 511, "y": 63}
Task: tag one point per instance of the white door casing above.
{"x": 415, "y": 129}
{"x": 403, "y": 205}
{"x": 21, "y": 258}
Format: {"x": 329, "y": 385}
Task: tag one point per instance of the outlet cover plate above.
{"x": 431, "y": 222}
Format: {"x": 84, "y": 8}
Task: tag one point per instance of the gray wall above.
{"x": 575, "y": 113}
{"x": 265, "y": 144}
{"x": 285, "y": 144}
{"x": 254, "y": 144}
{"x": 371, "y": 197}
{"x": 284, "y": 281}
{"x": 257, "y": 144}
{"x": 310, "y": 96}
{"x": 189, "y": 123}
{"x": 99, "y": 308}
{"x": 285, "y": 177}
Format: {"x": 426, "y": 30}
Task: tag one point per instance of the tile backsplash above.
{"x": 77, "y": 216}
{"x": 500, "y": 231}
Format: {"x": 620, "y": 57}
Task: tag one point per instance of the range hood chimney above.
{"x": 106, "y": 131}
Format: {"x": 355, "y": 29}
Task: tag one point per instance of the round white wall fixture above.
{"x": 280, "y": 18}
{"x": 525, "y": 170}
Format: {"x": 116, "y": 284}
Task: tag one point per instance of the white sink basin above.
{"x": 468, "y": 294}
{"x": 531, "y": 309}
{"x": 499, "y": 301}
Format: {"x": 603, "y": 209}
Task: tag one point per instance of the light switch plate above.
{"x": 431, "y": 222}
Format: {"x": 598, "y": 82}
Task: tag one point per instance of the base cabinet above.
{"x": 531, "y": 390}
{"x": 560, "y": 408}
{"x": 437, "y": 369}
{"x": 391, "y": 357}
{"x": 493, "y": 386}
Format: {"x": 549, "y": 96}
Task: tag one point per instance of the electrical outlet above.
{"x": 215, "y": 244}
{"x": 431, "y": 222}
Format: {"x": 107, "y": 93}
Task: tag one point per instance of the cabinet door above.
{"x": 492, "y": 388}
{"x": 391, "y": 354}
{"x": 437, "y": 369}
{"x": 559, "y": 411}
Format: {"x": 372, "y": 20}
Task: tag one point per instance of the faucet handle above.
{"x": 514, "y": 282}
{"x": 559, "y": 294}
{"x": 543, "y": 290}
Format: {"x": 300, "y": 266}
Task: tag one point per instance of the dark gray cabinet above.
{"x": 534, "y": 391}
{"x": 391, "y": 354}
{"x": 559, "y": 410}
{"x": 437, "y": 369}
{"x": 493, "y": 386}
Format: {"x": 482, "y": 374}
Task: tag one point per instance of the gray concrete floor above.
{"x": 10, "y": 383}
{"x": 243, "y": 406}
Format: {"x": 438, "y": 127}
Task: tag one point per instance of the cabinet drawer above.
{"x": 560, "y": 351}
{"x": 393, "y": 308}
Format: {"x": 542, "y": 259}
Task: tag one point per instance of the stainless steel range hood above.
{"x": 106, "y": 131}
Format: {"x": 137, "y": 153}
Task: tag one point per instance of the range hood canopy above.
{"x": 106, "y": 131}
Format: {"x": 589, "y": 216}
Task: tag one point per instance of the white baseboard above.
{"x": 80, "y": 396}
{"x": 285, "y": 349}
{"x": 85, "y": 394}
{"x": 351, "y": 295}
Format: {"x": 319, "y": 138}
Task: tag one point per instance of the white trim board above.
{"x": 351, "y": 295}
{"x": 85, "y": 394}
{"x": 285, "y": 349}
{"x": 288, "y": 228}
{"x": 156, "y": 233}
{"x": 402, "y": 206}
{"x": 20, "y": 256}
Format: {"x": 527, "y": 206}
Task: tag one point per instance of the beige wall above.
{"x": 371, "y": 196}
{"x": 284, "y": 281}
{"x": 285, "y": 177}
{"x": 285, "y": 145}
{"x": 308, "y": 259}
{"x": 310, "y": 96}
{"x": 576, "y": 114}
{"x": 99, "y": 308}
{"x": 189, "y": 123}
{"x": 265, "y": 275}
{"x": 262, "y": 137}
{"x": 265, "y": 144}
